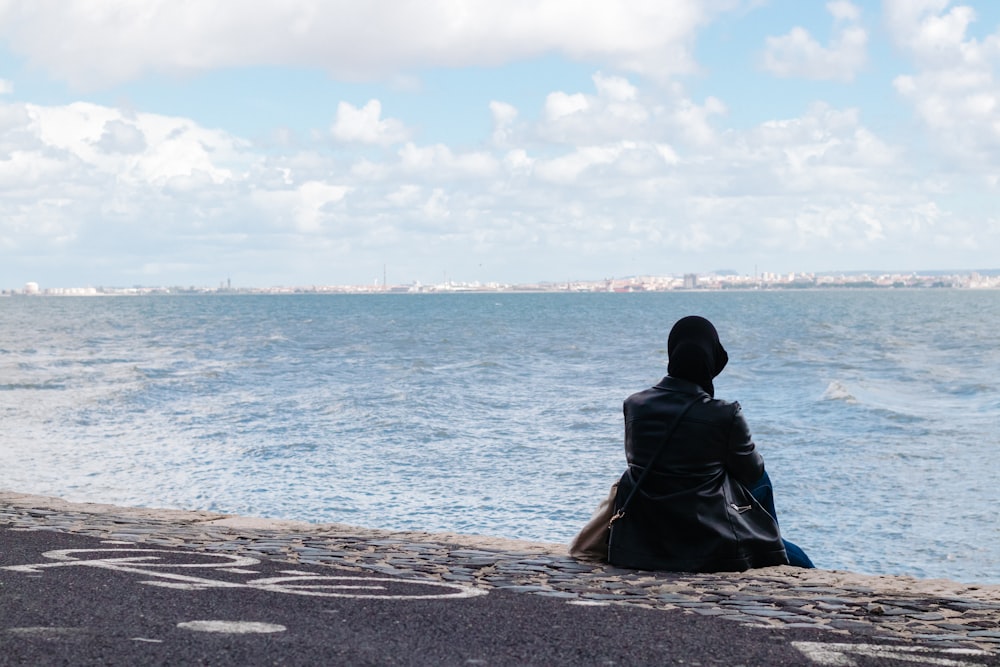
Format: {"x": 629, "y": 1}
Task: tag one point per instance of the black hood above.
{"x": 695, "y": 353}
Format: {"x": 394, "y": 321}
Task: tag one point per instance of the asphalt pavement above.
{"x": 68, "y": 599}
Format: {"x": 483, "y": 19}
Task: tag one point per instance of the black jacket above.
{"x": 693, "y": 512}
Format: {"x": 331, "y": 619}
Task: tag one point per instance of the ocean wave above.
{"x": 21, "y": 386}
{"x": 836, "y": 391}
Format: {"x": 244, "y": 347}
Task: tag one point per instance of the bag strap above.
{"x": 673, "y": 427}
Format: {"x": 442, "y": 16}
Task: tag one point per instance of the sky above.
{"x": 335, "y": 142}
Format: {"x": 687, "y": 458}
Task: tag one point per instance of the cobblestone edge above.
{"x": 948, "y": 614}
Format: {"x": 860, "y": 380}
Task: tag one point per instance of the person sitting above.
{"x": 706, "y": 504}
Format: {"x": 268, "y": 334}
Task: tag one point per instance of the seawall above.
{"x": 949, "y": 614}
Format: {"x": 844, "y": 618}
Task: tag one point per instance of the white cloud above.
{"x": 313, "y": 201}
{"x": 366, "y": 126}
{"x": 616, "y": 111}
{"x": 668, "y": 154}
{"x": 615, "y": 88}
{"x": 99, "y": 44}
{"x": 842, "y": 10}
{"x": 932, "y": 38}
{"x": 954, "y": 91}
{"x": 798, "y": 54}
{"x": 212, "y": 191}
{"x": 6, "y": 87}
{"x": 559, "y": 105}
{"x": 610, "y": 180}
{"x": 436, "y": 206}
{"x": 143, "y": 147}
{"x": 438, "y": 161}
{"x": 693, "y": 121}
{"x": 568, "y": 168}
{"x": 121, "y": 137}
{"x": 504, "y": 116}
{"x": 517, "y": 162}
{"x": 406, "y": 195}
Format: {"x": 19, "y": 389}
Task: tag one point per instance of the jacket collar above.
{"x": 678, "y": 384}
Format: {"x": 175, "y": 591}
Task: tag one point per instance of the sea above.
{"x": 499, "y": 414}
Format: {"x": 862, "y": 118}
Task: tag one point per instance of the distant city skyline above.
{"x": 305, "y": 142}
{"x": 986, "y": 278}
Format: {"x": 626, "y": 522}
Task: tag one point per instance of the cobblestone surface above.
{"x": 948, "y": 614}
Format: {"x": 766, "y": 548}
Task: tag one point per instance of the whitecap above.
{"x": 836, "y": 391}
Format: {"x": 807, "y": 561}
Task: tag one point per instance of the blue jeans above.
{"x": 764, "y": 494}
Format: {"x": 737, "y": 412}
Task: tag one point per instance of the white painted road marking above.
{"x": 232, "y": 627}
{"x": 317, "y": 585}
{"x": 839, "y": 655}
{"x": 66, "y": 558}
{"x": 147, "y": 561}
